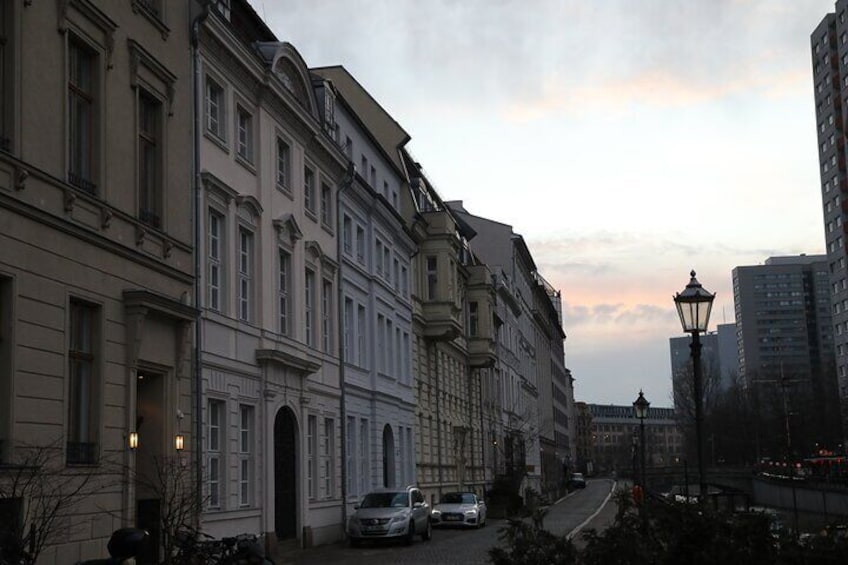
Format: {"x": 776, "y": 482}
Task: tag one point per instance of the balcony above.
{"x": 442, "y": 320}
{"x": 481, "y": 352}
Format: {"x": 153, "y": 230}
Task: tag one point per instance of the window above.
{"x": 381, "y": 343}
{"x": 215, "y": 268}
{"x": 473, "y": 320}
{"x": 311, "y": 456}
{"x": 327, "y": 463}
{"x": 373, "y": 177}
{"x": 378, "y": 259}
{"x": 149, "y": 159}
{"x": 284, "y": 293}
{"x": 360, "y": 244}
{"x": 309, "y": 189}
{"x": 432, "y": 277}
{"x": 396, "y": 277}
{"x": 326, "y": 205}
{"x": 309, "y": 307}
{"x": 361, "y": 336}
{"x": 245, "y": 454}
{"x": 82, "y": 65}
{"x": 347, "y": 235}
{"x": 215, "y": 115}
{"x": 326, "y": 315}
{"x": 82, "y": 383}
{"x": 404, "y": 282}
{"x": 244, "y": 143}
{"x": 245, "y": 275}
{"x": 348, "y": 147}
{"x": 214, "y": 425}
{"x": 348, "y": 328}
{"x": 364, "y": 481}
{"x": 283, "y": 164}
{"x": 350, "y": 456}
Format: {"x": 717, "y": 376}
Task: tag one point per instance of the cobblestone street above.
{"x": 587, "y": 508}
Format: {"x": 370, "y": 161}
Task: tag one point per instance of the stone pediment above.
{"x": 288, "y": 232}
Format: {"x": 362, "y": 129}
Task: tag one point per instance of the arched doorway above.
{"x": 388, "y": 457}
{"x": 285, "y": 474}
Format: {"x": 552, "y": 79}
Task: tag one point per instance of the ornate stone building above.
{"x": 269, "y": 171}
{"x": 96, "y": 256}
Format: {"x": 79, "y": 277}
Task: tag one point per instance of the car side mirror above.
{"x": 356, "y": 507}
{"x": 417, "y": 504}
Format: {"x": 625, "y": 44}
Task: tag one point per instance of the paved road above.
{"x": 583, "y": 508}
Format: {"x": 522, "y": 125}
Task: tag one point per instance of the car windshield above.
{"x": 458, "y": 498}
{"x": 385, "y": 500}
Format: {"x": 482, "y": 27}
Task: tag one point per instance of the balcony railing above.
{"x": 81, "y": 453}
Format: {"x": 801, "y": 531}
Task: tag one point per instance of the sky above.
{"x": 628, "y": 142}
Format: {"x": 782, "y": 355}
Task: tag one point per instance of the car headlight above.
{"x": 437, "y": 512}
{"x": 470, "y": 512}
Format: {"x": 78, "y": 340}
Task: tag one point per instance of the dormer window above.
{"x": 223, "y": 8}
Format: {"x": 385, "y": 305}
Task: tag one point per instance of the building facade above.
{"x": 786, "y": 343}
{"x": 829, "y": 46}
{"x": 615, "y": 436}
{"x": 376, "y": 249}
{"x": 272, "y": 397}
{"x": 96, "y": 259}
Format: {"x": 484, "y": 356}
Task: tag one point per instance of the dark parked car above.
{"x": 576, "y": 481}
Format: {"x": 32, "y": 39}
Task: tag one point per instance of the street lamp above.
{"x": 693, "y": 306}
{"x": 641, "y": 405}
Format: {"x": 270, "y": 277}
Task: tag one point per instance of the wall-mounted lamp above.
{"x": 179, "y": 442}
{"x": 133, "y": 440}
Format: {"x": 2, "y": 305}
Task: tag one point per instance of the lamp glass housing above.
{"x": 133, "y": 440}
{"x": 179, "y": 442}
{"x": 694, "y": 305}
{"x": 641, "y": 405}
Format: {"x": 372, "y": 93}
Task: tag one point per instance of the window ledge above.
{"x": 246, "y": 163}
{"x": 285, "y": 190}
{"x": 219, "y": 141}
{"x": 311, "y": 214}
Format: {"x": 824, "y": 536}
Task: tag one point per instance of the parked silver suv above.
{"x": 390, "y": 513}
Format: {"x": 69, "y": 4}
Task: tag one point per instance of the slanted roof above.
{"x": 386, "y": 131}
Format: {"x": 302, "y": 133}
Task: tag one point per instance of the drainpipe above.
{"x": 346, "y": 183}
{"x": 198, "y": 334}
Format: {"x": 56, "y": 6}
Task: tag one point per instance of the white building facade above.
{"x": 375, "y": 252}
{"x": 272, "y": 416}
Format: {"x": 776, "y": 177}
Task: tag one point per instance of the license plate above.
{"x": 455, "y": 518}
{"x": 372, "y": 528}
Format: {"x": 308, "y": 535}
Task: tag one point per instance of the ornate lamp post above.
{"x": 641, "y": 405}
{"x": 694, "y": 305}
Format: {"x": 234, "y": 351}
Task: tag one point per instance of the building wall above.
{"x": 828, "y": 45}
{"x": 270, "y": 333}
{"x": 75, "y": 237}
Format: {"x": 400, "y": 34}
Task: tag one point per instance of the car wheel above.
{"x": 428, "y": 532}
{"x": 410, "y": 534}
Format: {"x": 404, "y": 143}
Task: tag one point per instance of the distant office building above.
{"x": 615, "y": 432}
{"x": 785, "y": 339}
{"x": 829, "y": 43}
{"x": 718, "y": 356}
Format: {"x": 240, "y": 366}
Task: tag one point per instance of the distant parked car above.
{"x": 459, "y": 509}
{"x": 577, "y": 480}
{"x": 390, "y": 513}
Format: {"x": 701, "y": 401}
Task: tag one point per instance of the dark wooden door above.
{"x": 285, "y": 475}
